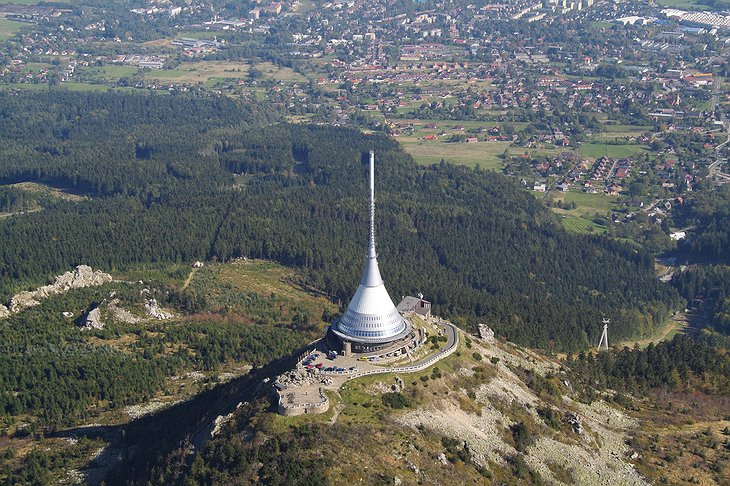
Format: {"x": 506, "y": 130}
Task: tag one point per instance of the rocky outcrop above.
{"x": 93, "y": 320}
{"x": 4, "y": 312}
{"x": 154, "y": 310}
{"x": 486, "y": 333}
{"x": 81, "y": 276}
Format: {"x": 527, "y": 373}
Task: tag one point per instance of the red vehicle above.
{"x": 319, "y": 365}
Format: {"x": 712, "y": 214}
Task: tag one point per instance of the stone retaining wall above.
{"x": 291, "y": 409}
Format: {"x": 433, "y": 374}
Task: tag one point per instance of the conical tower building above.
{"x": 371, "y": 321}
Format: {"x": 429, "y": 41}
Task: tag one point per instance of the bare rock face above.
{"x": 4, "y": 312}
{"x": 486, "y": 333}
{"x": 93, "y": 320}
{"x": 81, "y": 276}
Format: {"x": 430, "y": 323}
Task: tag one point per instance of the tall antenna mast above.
{"x": 604, "y": 336}
{"x": 371, "y": 246}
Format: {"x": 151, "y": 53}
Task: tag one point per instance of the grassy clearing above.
{"x": 200, "y": 72}
{"x": 24, "y": 86}
{"x": 539, "y": 152}
{"x": 597, "y": 202}
{"x": 276, "y": 73}
{"x": 109, "y": 72}
{"x": 683, "y": 4}
{"x": 54, "y": 192}
{"x": 596, "y": 150}
{"x": 221, "y": 283}
{"x": 612, "y": 132}
{"x": 209, "y": 71}
{"x": 664, "y": 333}
{"x": 74, "y": 86}
{"x": 485, "y": 154}
{"x": 580, "y": 225}
{"x": 9, "y": 28}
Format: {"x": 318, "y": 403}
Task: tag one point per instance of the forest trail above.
{"x": 189, "y": 279}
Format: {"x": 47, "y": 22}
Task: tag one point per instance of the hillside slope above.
{"x": 491, "y": 414}
{"x": 205, "y": 185}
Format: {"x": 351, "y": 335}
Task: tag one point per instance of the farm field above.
{"x": 75, "y": 86}
{"x": 8, "y": 28}
{"x": 580, "y": 225}
{"x": 207, "y": 72}
{"x": 683, "y": 4}
{"x": 596, "y": 150}
{"x": 613, "y": 132}
{"x": 109, "y": 72}
{"x": 485, "y": 154}
{"x": 580, "y": 219}
{"x": 598, "y": 203}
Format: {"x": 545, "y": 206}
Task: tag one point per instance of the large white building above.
{"x": 371, "y": 321}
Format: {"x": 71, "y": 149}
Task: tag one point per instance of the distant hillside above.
{"x": 162, "y": 188}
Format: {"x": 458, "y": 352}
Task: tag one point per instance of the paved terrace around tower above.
{"x": 304, "y": 391}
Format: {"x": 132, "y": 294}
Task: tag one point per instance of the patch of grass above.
{"x": 109, "y": 72}
{"x": 54, "y": 192}
{"x": 74, "y": 86}
{"x": 24, "y": 86}
{"x": 262, "y": 290}
{"x": 579, "y": 225}
{"x": 211, "y": 72}
{"x": 683, "y": 4}
{"x": 597, "y": 150}
{"x": 487, "y": 155}
{"x": 599, "y": 202}
{"x": 9, "y": 28}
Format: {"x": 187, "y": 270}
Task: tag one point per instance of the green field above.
{"x": 24, "y": 86}
{"x": 109, "y": 72}
{"x": 596, "y": 150}
{"x": 580, "y": 219}
{"x": 9, "y": 28}
{"x": 485, "y": 154}
{"x": 613, "y": 132}
{"x": 576, "y": 224}
{"x": 598, "y": 202}
{"x": 74, "y": 86}
{"x": 683, "y": 4}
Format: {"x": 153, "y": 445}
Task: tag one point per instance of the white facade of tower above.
{"x": 371, "y": 317}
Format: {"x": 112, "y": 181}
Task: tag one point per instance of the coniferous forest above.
{"x": 175, "y": 179}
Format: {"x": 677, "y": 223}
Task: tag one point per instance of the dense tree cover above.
{"x": 707, "y": 288}
{"x": 118, "y": 144}
{"x": 709, "y": 213}
{"x": 45, "y": 466}
{"x": 13, "y": 200}
{"x": 472, "y": 241}
{"x": 49, "y": 366}
{"x": 279, "y": 460}
{"x": 683, "y": 364}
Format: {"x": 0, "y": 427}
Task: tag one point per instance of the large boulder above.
{"x": 93, "y": 320}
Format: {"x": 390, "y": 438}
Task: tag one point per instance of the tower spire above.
{"x": 371, "y": 246}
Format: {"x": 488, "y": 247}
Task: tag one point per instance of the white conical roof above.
{"x": 371, "y": 315}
